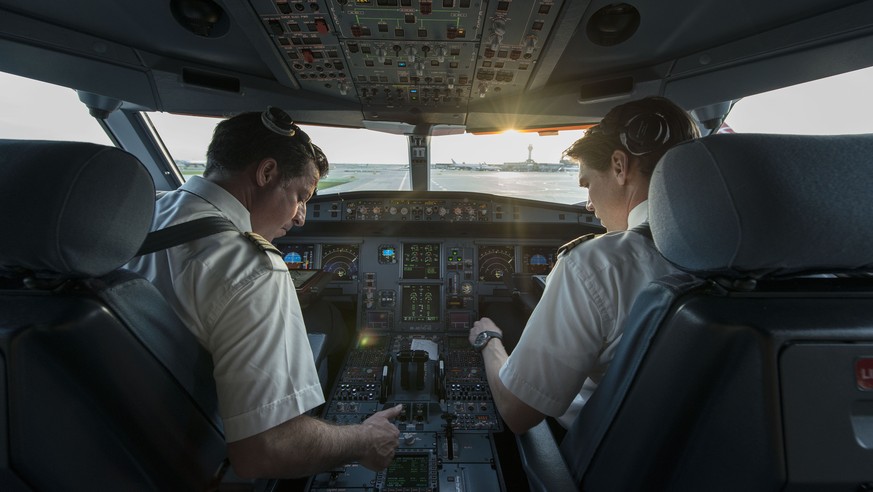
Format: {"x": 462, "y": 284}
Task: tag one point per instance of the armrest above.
{"x": 542, "y": 461}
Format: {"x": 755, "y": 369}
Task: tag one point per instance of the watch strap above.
{"x": 489, "y": 335}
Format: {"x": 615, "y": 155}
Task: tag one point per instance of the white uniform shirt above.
{"x": 573, "y": 332}
{"x": 241, "y": 304}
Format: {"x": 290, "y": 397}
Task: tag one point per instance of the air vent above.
{"x": 613, "y": 24}
{"x": 191, "y": 76}
{"x": 201, "y": 17}
{"x": 606, "y": 89}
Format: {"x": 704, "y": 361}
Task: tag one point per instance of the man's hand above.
{"x": 484, "y": 324}
{"x": 382, "y": 437}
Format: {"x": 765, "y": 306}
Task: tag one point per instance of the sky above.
{"x": 841, "y": 104}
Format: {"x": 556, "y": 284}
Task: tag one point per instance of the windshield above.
{"x": 523, "y": 165}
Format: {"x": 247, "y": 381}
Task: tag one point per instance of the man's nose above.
{"x": 589, "y": 206}
{"x": 300, "y": 217}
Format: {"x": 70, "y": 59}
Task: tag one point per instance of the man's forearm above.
{"x": 518, "y": 415}
{"x": 299, "y": 447}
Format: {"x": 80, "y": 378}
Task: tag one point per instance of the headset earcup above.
{"x": 646, "y": 132}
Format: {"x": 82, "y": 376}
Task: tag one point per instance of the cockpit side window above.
{"x": 33, "y": 110}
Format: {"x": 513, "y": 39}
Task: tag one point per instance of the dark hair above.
{"x": 243, "y": 140}
{"x": 597, "y": 145}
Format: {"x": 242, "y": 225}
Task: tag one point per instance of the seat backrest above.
{"x": 102, "y": 387}
{"x": 753, "y": 370}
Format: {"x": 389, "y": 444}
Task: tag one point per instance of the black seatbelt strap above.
{"x": 184, "y": 232}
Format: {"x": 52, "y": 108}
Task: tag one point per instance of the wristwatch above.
{"x": 483, "y": 338}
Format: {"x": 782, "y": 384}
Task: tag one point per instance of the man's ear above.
{"x": 267, "y": 171}
{"x": 620, "y": 166}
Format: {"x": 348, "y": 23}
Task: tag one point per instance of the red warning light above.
{"x": 864, "y": 373}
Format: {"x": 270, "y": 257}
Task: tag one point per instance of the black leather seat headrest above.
{"x": 755, "y": 205}
{"x": 71, "y": 209}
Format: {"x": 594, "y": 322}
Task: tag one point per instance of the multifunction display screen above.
{"x": 420, "y": 303}
{"x": 421, "y": 261}
{"x": 409, "y": 472}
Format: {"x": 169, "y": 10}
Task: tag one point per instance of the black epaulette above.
{"x": 262, "y": 243}
{"x": 576, "y": 242}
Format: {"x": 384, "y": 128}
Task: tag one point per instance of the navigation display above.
{"x": 420, "y": 303}
{"x": 341, "y": 260}
{"x": 496, "y": 262}
{"x": 421, "y": 261}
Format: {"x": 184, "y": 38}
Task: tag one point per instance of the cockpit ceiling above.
{"x": 482, "y": 65}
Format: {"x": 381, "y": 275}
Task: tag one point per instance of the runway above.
{"x": 560, "y": 187}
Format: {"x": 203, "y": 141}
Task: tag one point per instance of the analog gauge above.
{"x": 392, "y": 210}
{"x": 466, "y": 288}
{"x": 496, "y": 263}
{"x": 377, "y": 210}
{"x": 341, "y": 260}
{"x": 442, "y": 211}
{"x": 404, "y": 211}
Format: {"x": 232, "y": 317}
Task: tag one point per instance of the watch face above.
{"x": 480, "y": 340}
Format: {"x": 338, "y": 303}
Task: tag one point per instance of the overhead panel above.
{"x": 404, "y": 59}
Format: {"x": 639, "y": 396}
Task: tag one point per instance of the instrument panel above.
{"x": 418, "y": 270}
{"x": 409, "y": 284}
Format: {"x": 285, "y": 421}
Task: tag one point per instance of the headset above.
{"x": 642, "y": 133}
{"x": 280, "y": 122}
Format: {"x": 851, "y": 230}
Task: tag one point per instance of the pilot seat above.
{"x": 101, "y": 386}
{"x": 753, "y": 370}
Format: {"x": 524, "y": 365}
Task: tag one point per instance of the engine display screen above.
{"x": 420, "y": 303}
{"x": 421, "y": 261}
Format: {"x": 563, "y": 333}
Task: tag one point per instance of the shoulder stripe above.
{"x": 262, "y": 243}
{"x": 576, "y": 242}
